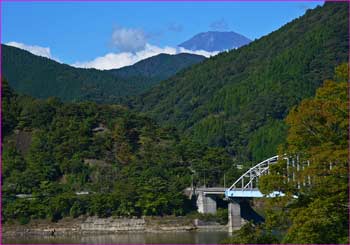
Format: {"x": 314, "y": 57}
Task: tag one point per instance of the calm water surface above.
{"x": 140, "y": 238}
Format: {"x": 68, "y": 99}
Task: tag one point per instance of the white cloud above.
{"x": 198, "y": 52}
{"x": 133, "y": 47}
{"x": 37, "y": 50}
{"x": 114, "y": 60}
{"x": 118, "y": 60}
{"x": 34, "y": 49}
{"x": 128, "y": 39}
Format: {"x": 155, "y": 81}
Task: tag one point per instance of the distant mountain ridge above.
{"x": 161, "y": 66}
{"x": 41, "y": 77}
{"x": 215, "y": 41}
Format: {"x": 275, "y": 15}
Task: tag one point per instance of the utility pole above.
{"x": 192, "y": 180}
{"x": 224, "y": 181}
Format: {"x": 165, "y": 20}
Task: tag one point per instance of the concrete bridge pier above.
{"x": 234, "y": 216}
{"x": 206, "y": 204}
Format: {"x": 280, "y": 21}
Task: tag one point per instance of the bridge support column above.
{"x": 206, "y": 204}
{"x": 234, "y": 216}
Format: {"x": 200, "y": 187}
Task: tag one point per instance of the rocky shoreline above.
{"x": 95, "y": 225}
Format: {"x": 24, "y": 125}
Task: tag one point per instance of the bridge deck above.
{"x": 237, "y": 192}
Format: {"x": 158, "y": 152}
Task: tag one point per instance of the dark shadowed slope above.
{"x": 41, "y": 77}
{"x": 161, "y": 66}
{"x": 150, "y": 71}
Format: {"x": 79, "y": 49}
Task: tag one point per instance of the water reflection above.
{"x": 200, "y": 237}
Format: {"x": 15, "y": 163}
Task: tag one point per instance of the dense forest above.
{"x": 41, "y": 77}
{"x": 285, "y": 94}
{"x": 316, "y": 206}
{"x": 128, "y": 164}
{"x": 159, "y": 67}
{"x": 238, "y": 99}
{"x": 87, "y": 159}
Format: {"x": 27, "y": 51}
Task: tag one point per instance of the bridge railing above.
{"x": 294, "y": 174}
{"x": 250, "y": 177}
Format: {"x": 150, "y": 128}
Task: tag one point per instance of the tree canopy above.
{"x": 317, "y": 211}
{"x": 129, "y": 165}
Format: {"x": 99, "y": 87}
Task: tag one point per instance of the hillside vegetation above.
{"x": 318, "y": 137}
{"x": 42, "y": 78}
{"x": 238, "y": 99}
{"x": 158, "y": 67}
{"x": 64, "y": 159}
{"x": 129, "y": 165}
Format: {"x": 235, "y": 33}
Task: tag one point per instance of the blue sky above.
{"x": 83, "y": 31}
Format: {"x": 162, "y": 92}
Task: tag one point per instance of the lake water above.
{"x": 139, "y": 238}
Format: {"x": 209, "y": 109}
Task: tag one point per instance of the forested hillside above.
{"x": 42, "y": 78}
{"x": 128, "y": 164}
{"x": 318, "y": 137}
{"x": 285, "y": 94}
{"x": 158, "y": 67}
{"x": 238, "y": 99}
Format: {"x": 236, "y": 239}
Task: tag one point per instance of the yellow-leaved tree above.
{"x": 318, "y": 141}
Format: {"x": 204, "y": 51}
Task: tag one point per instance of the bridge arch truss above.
{"x": 246, "y": 185}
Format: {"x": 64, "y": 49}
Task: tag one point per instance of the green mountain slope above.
{"x": 41, "y": 77}
{"x": 151, "y": 71}
{"x": 129, "y": 165}
{"x": 239, "y": 99}
{"x": 159, "y": 67}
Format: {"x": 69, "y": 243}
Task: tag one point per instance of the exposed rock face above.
{"x": 113, "y": 224}
{"x": 147, "y": 224}
{"x": 95, "y": 225}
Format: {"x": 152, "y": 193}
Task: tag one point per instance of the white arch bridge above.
{"x": 245, "y": 187}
